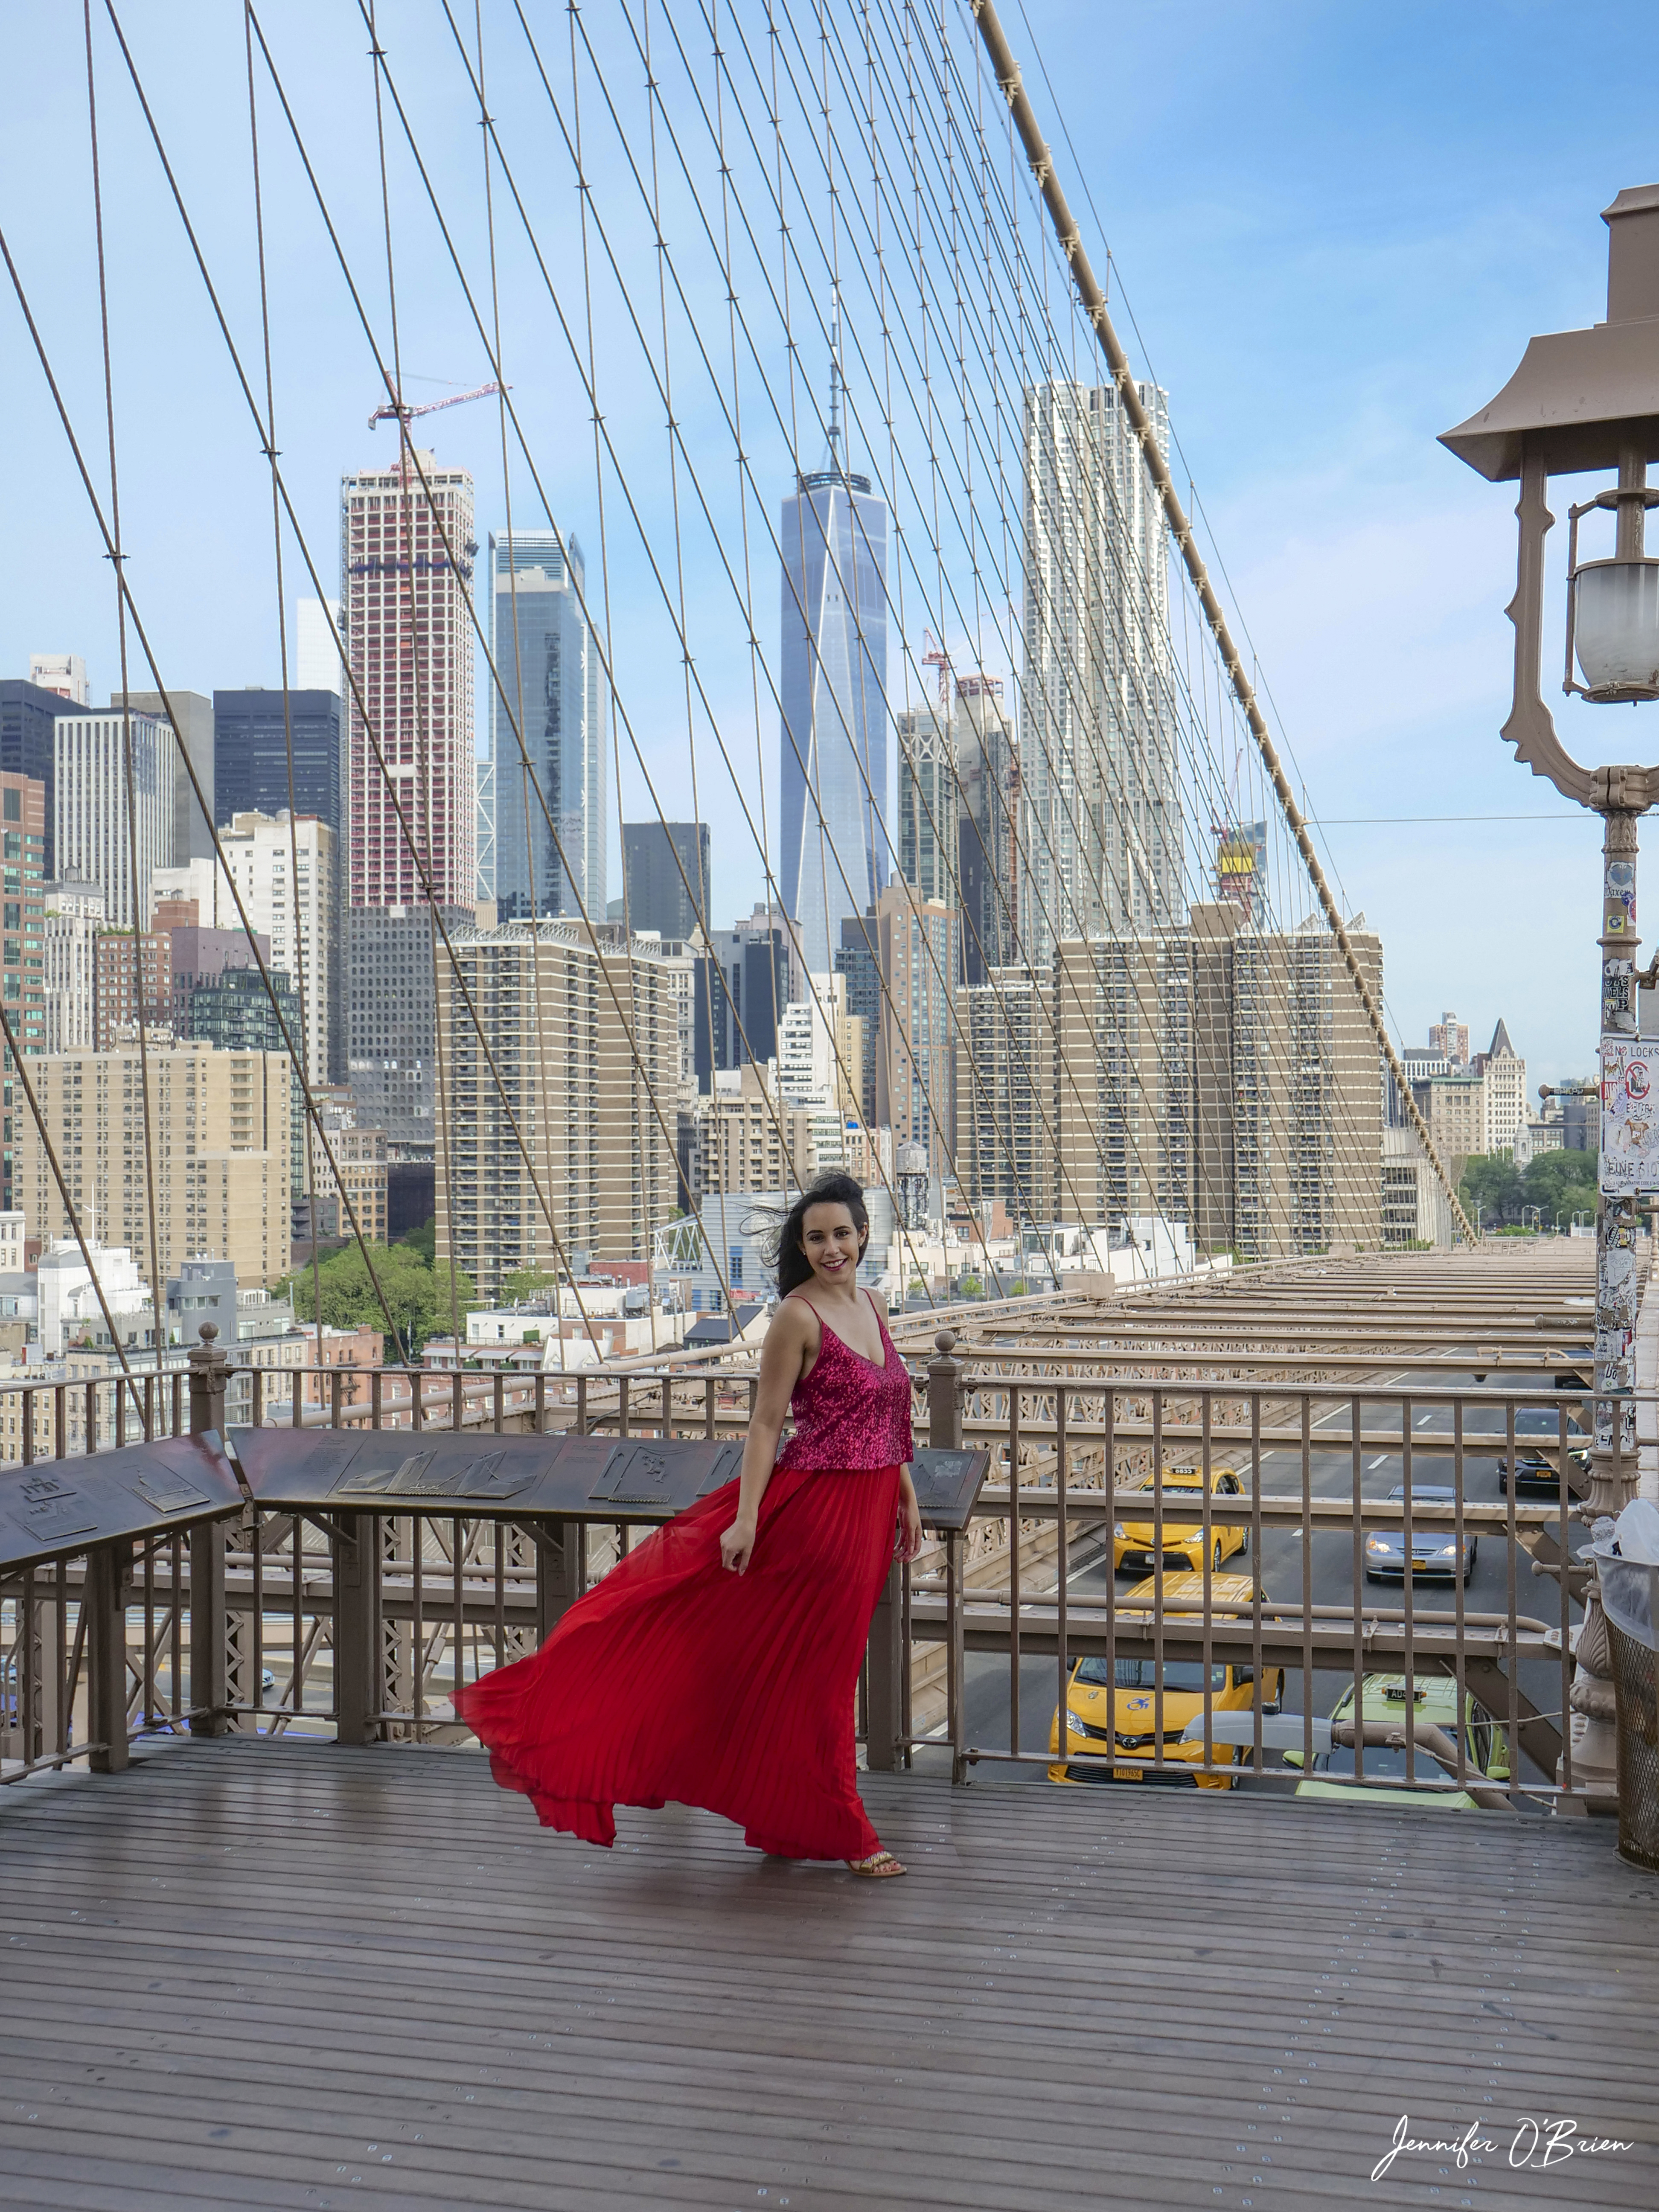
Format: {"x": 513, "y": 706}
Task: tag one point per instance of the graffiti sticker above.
{"x": 1630, "y": 1116}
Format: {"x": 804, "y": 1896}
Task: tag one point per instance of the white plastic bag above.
{"x": 1629, "y": 1594}
{"x": 1635, "y": 1532}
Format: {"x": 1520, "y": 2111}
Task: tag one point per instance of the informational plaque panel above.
{"x": 439, "y": 1471}
{"x": 514, "y": 1477}
{"x": 948, "y": 1484}
{"x": 60, "y": 1507}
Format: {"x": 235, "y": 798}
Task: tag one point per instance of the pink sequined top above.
{"x": 850, "y": 1413}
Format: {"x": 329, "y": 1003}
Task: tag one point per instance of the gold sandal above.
{"x": 880, "y": 1866}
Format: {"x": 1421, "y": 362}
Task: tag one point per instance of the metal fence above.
{"x": 1163, "y": 1581}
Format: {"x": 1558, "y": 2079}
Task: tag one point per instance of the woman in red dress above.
{"x": 717, "y": 1665}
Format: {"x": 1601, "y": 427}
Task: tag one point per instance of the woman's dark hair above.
{"x": 786, "y": 1246}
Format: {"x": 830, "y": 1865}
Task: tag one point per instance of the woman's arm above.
{"x": 788, "y": 1341}
{"x": 909, "y": 1528}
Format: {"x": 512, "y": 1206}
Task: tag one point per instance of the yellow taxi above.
{"x": 1134, "y": 1541}
{"x": 1113, "y": 1704}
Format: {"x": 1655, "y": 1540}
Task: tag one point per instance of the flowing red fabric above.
{"x": 673, "y": 1680}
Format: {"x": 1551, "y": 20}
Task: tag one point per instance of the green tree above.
{"x": 1492, "y": 1182}
{"x": 417, "y": 1294}
{"x": 424, "y": 1240}
{"x": 526, "y": 1283}
{"x": 1562, "y": 1183}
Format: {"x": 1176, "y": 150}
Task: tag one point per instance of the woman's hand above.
{"x": 908, "y": 1540}
{"x": 738, "y": 1545}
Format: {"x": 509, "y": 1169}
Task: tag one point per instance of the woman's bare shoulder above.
{"x": 798, "y": 1320}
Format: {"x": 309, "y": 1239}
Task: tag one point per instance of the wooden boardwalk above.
{"x": 285, "y": 1975}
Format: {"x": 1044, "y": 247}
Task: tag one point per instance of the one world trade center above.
{"x": 834, "y": 681}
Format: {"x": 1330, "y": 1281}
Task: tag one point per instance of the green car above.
{"x": 1486, "y": 1748}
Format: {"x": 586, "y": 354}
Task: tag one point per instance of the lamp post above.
{"x": 1582, "y": 402}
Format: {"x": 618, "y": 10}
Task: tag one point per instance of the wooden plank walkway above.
{"x": 291, "y": 1975}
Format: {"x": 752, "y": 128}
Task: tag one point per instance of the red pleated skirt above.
{"x": 673, "y": 1680}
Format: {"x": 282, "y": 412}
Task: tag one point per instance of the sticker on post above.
{"x": 1630, "y": 1116}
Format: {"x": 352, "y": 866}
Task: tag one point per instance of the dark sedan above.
{"x": 1537, "y": 1439}
{"x": 1435, "y": 1551}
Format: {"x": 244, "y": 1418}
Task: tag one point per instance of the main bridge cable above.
{"x": 295, "y": 1058}
{"x": 953, "y": 250}
{"x": 1006, "y": 72}
{"x": 1200, "y": 755}
{"x": 1194, "y": 499}
{"x": 509, "y": 182}
{"x": 1183, "y": 686}
{"x": 311, "y": 568}
{"x": 129, "y": 781}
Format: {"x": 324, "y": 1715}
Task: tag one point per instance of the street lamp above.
{"x": 1587, "y": 402}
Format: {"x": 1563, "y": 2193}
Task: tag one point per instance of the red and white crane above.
{"x": 400, "y": 413}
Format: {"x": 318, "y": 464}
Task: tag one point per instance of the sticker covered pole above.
{"x": 1625, "y": 1162}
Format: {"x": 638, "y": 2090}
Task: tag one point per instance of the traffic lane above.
{"x": 1284, "y": 1556}
{"x": 1281, "y": 1560}
{"x": 1329, "y": 1566}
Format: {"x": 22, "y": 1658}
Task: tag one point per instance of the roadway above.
{"x": 1325, "y": 1579}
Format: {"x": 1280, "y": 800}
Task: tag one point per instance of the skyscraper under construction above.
{"x": 1101, "y": 834}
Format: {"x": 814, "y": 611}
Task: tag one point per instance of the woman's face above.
{"x": 830, "y": 1242}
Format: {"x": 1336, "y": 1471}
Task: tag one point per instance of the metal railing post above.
{"x": 884, "y": 1717}
{"x": 558, "y": 1579}
{"x": 356, "y": 1611}
{"x": 945, "y": 1434}
{"x": 209, "y": 1619}
{"x": 105, "y": 1597}
{"x": 944, "y": 1396}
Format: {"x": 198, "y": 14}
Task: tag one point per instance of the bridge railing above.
{"x": 1270, "y": 1524}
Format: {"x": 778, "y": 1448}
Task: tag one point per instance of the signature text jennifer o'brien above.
{"x": 1535, "y": 2144}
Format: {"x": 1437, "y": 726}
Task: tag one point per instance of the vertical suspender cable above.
{"x": 1041, "y": 162}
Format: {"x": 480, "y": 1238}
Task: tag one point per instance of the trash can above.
{"x": 1629, "y": 1600}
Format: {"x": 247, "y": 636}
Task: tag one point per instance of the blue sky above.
{"x": 1336, "y": 227}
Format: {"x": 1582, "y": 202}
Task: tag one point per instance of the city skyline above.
{"x": 1269, "y": 496}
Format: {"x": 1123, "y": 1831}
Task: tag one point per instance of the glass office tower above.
{"x": 833, "y": 772}
{"x": 551, "y": 685}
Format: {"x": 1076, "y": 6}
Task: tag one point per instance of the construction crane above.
{"x": 936, "y": 657}
{"x": 400, "y": 413}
